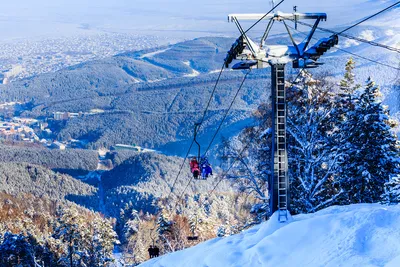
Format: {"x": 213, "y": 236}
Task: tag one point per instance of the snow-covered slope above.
{"x": 356, "y": 235}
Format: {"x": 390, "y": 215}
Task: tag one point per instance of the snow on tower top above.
{"x": 277, "y": 15}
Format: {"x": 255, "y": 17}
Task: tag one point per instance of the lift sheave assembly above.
{"x": 253, "y": 55}
{"x": 247, "y": 54}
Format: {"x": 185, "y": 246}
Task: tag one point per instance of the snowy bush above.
{"x": 392, "y": 191}
{"x": 221, "y": 231}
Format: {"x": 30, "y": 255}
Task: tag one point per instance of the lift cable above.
{"x": 226, "y": 113}
{"x": 341, "y": 33}
{"x": 370, "y": 17}
{"x": 263, "y": 17}
{"x": 351, "y": 53}
{"x": 201, "y": 121}
{"x": 212, "y": 94}
{"x": 368, "y": 59}
{"x": 353, "y": 38}
{"x": 209, "y": 101}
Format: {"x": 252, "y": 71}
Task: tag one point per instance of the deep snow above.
{"x": 355, "y": 235}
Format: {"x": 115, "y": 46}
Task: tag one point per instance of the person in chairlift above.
{"x": 194, "y": 167}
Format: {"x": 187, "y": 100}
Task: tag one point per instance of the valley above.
{"x": 97, "y": 137}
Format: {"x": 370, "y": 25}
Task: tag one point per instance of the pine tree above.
{"x": 130, "y": 219}
{"x": 372, "y": 154}
{"x": 19, "y": 250}
{"x": 347, "y": 84}
{"x": 345, "y": 103}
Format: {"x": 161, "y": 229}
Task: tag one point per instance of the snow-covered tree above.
{"x": 347, "y": 84}
{"x": 70, "y": 229}
{"x": 392, "y": 191}
{"x": 16, "y": 250}
{"x": 345, "y": 104}
{"x": 221, "y": 231}
{"x": 312, "y": 156}
{"x": 260, "y": 211}
{"x": 100, "y": 244}
{"x": 131, "y": 226}
{"x": 246, "y": 162}
{"x": 372, "y": 155}
{"x": 163, "y": 225}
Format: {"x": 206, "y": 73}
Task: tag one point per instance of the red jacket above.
{"x": 194, "y": 165}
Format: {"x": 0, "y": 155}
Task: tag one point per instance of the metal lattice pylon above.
{"x": 252, "y": 55}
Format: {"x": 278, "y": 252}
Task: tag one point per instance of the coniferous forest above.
{"x": 342, "y": 150}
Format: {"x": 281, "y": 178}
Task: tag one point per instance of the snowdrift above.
{"x": 355, "y": 235}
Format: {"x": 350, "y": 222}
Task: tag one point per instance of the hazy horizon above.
{"x": 186, "y": 19}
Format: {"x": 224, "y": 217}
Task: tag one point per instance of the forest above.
{"x": 148, "y": 113}
{"x": 71, "y": 159}
{"x": 343, "y": 149}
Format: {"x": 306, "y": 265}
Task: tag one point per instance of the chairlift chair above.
{"x": 193, "y": 237}
{"x": 153, "y": 250}
{"x": 198, "y": 171}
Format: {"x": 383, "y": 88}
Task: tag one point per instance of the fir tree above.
{"x": 347, "y": 84}
{"x": 100, "y": 243}
{"x": 372, "y": 155}
{"x": 164, "y": 231}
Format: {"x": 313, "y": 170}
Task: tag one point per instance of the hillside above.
{"x": 19, "y": 178}
{"x": 153, "y": 97}
{"x": 145, "y": 97}
{"x": 151, "y": 172}
{"x": 355, "y": 235}
{"x": 71, "y": 160}
{"x": 340, "y": 144}
{"x": 144, "y": 177}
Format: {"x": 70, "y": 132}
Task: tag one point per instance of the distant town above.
{"x": 26, "y": 58}
{"x": 34, "y": 132}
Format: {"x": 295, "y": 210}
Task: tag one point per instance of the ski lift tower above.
{"x": 249, "y": 54}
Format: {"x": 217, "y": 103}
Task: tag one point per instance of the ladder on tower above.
{"x": 280, "y": 159}
{"x": 249, "y": 54}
